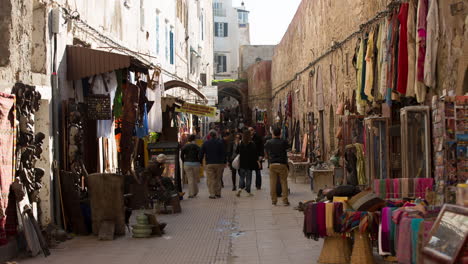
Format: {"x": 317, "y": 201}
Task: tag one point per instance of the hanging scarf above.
{"x": 329, "y": 209}
{"x": 386, "y": 219}
{"x": 321, "y": 220}
{"x": 396, "y": 188}
{"x": 338, "y": 213}
{"x": 360, "y": 164}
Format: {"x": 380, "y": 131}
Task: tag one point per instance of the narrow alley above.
{"x": 244, "y": 230}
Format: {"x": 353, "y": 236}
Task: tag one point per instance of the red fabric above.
{"x": 7, "y": 131}
{"x": 422, "y": 26}
{"x": 402, "y": 83}
{"x": 388, "y": 188}
{"x": 396, "y": 188}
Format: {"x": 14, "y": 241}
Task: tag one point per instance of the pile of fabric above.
{"x": 403, "y": 187}
{"x": 322, "y": 219}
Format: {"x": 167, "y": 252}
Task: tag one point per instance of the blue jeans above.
{"x": 245, "y": 179}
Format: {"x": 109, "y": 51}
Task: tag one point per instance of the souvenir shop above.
{"x": 111, "y": 113}
{"x": 391, "y": 185}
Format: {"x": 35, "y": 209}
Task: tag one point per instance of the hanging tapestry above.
{"x": 7, "y": 132}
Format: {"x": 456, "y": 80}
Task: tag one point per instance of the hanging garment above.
{"x": 420, "y": 88}
{"x": 329, "y": 209}
{"x": 383, "y": 58}
{"x": 360, "y": 71}
{"x": 379, "y": 59}
{"x": 321, "y": 219}
{"x": 141, "y": 130}
{"x": 155, "y": 113}
{"x": 351, "y": 165}
{"x": 105, "y": 127}
{"x": 411, "y": 26}
{"x": 369, "y": 78}
{"x": 402, "y": 83}
{"x": 404, "y": 250}
{"x": 117, "y": 109}
{"x": 360, "y": 164}
{"x": 385, "y": 229}
{"x": 7, "y": 130}
{"x": 432, "y": 44}
{"x": 415, "y": 225}
{"x": 338, "y": 213}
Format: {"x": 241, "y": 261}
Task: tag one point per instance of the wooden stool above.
{"x": 335, "y": 250}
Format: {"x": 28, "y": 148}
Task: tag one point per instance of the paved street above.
{"x": 228, "y": 230}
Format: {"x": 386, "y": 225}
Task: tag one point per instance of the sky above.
{"x": 269, "y": 19}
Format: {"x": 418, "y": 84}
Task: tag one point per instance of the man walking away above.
{"x": 258, "y": 140}
{"x": 214, "y": 153}
{"x": 191, "y": 159}
{"x": 275, "y": 151}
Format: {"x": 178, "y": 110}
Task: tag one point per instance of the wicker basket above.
{"x": 335, "y": 250}
{"x": 362, "y": 250}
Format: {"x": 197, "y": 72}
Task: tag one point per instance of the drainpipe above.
{"x": 55, "y": 101}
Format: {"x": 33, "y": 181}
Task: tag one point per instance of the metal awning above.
{"x": 174, "y": 84}
{"x": 85, "y": 62}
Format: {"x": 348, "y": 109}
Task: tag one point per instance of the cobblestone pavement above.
{"x": 227, "y": 230}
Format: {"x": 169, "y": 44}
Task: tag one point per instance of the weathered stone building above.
{"x": 321, "y": 87}
{"x": 259, "y": 81}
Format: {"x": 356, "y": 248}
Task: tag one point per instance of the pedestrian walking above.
{"x": 232, "y": 153}
{"x": 248, "y": 162}
{"x": 275, "y": 152}
{"x": 215, "y": 156}
{"x": 258, "y": 140}
{"x": 191, "y": 159}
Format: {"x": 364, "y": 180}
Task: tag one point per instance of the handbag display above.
{"x": 99, "y": 105}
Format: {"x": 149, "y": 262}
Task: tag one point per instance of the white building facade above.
{"x": 231, "y": 30}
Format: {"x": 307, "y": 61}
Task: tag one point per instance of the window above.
{"x": 220, "y": 62}
{"x": 243, "y": 17}
{"x": 171, "y": 35}
{"x": 202, "y": 26}
{"x": 166, "y": 34}
{"x": 157, "y": 33}
{"x": 218, "y": 9}
{"x": 221, "y": 29}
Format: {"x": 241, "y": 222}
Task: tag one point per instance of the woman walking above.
{"x": 248, "y": 162}
{"x": 234, "y": 145}
{"x": 190, "y": 158}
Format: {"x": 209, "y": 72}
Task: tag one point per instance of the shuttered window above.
{"x": 221, "y": 63}
{"x": 221, "y": 29}
{"x": 171, "y": 37}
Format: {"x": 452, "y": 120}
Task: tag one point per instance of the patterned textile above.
{"x": 7, "y": 132}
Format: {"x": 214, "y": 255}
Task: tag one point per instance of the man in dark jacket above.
{"x": 275, "y": 152}
{"x": 258, "y": 140}
{"x": 215, "y": 156}
{"x": 191, "y": 158}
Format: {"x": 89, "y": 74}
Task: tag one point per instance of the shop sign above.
{"x": 199, "y": 110}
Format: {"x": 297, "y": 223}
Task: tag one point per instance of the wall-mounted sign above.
{"x": 199, "y": 110}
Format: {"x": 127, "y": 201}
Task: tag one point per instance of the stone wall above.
{"x": 249, "y": 54}
{"x": 316, "y": 26}
{"x": 259, "y": 82}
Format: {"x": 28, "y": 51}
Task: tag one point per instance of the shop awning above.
{"x": 85, "y": 62}
{"x": 175, "y": 84}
